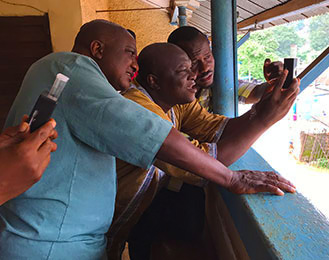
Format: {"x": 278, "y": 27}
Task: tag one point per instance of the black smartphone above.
{"x": 46, "y": 103}
{"x": 290, "y": 64}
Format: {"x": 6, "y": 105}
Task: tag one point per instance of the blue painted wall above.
{"x": 275, "y": 227}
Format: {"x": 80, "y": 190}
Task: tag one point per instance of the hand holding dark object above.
{"x": 24, "y": 157}
{"x": 249, "y": 182}
{"x": 275, "y": 105}
{"x": 272, "y": 70}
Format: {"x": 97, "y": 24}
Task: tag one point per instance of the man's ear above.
{"x": 153, "y": 81}
{"x": 97, "y": 49}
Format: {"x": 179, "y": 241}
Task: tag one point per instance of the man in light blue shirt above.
{"x": 66, "y": 214}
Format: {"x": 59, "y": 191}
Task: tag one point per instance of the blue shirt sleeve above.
{"x": 100, "y": 117}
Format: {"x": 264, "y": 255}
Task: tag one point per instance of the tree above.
{"x": 273, "y": 43}
{"x": 252, "y": 53}
{"x": 286, "y": 35}
{"x": 319, "y": 37}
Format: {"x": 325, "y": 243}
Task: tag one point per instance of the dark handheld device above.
{"x": 290, "y": 64}
{"x": 46, "y": 103}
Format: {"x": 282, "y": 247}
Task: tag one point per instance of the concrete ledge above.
{"x": 274, "y": 227}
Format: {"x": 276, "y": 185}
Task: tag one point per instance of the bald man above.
{"x": 66, "y": 214}
{"x": 166, "y": 85}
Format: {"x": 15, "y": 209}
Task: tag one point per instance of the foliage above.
{"x": 252, "y": 53}
{"x": 323, "y": 163}
{"x": 319, "y": 37}
{"x": 286, "y": 35}
{"x": 303, "y": 55}
{"x": 274, "y": 43}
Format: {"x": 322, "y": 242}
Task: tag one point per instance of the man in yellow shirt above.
{"x": 166, "y": 86}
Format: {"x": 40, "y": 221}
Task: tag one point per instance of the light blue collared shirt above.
{"x": 66, "y": 214}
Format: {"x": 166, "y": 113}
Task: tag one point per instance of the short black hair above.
{"x": 151, "y": 59}
{"x": 185, "y": 34}
{"x": 94, "y": 30}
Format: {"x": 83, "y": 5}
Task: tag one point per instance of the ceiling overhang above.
{"x": 252, "y": 14}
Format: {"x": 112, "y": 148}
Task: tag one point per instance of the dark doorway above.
{"x": 23, "y": 41}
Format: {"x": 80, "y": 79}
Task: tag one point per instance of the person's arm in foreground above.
{"x": 178, "y": 151}
{"x": 257, "y": 93}
{"x": 24, "y": 157}
{"x": 241, "y": 132}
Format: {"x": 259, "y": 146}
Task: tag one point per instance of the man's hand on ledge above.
{"x": 249, "y": 182}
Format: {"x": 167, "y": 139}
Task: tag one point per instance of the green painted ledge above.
{"x": 274, "y": 227}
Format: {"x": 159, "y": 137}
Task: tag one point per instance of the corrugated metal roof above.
{"x": 201, "y": 17}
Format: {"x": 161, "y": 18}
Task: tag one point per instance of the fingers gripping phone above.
{"x": 46, "y": 103}
{"x": 290, "y": 64}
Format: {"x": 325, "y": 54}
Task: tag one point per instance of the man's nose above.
{"x": 193, "y": 75}
{"x": 203, "y": 66}
{"x": 134, "y": 64}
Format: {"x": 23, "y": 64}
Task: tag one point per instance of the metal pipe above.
{"x": 223, "y": 25}
{"x": 132, "y": 9}
{"x": 243, "y": 39}
{"x": 182, "y": 16}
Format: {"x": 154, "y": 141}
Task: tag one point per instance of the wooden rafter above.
{"x": 287, "y": 9}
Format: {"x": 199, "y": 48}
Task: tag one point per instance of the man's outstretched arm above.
{"x": 178, "y": 151}
{"x": 272, "y": 71}
{"x": 241, "y": 132}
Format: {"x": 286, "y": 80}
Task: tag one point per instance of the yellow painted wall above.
{"x": 64, "y": 18}
{"x": 150, "y": 26}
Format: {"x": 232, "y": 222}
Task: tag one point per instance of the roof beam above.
{"x": 314, "y": 70}
{"x": 289, "y": 8}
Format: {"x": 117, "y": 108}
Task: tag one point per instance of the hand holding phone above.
{"x": 46, "y": 103}
{"x": 290, "y": 64}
